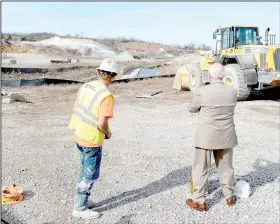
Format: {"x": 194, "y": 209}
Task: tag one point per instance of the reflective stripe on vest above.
{"x": 84, "y": 119}
{"x": 87, "y": 110}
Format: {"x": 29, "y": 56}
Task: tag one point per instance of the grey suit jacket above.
{"x": 215, "y": 104}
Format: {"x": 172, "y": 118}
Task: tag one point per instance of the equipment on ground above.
{"x": 12, "y": 194}
{"x": 61, "y": 61}
{"x": 249, "y": 64}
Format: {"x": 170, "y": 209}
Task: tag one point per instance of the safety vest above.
{"x": 84, "y": 119}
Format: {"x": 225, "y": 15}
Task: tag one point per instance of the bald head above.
{"x": 217, "y": 71}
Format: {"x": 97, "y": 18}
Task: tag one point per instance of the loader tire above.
{"x": 235, "y": 77}
{"x": 195, "y": 77}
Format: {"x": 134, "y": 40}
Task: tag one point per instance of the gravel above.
{"x": 145, "y": 167}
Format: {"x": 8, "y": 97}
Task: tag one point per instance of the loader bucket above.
{"x": 181, "y": 79}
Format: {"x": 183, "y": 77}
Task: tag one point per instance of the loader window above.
{"x": 246, "y": 35}
{"x": 225, "y": 38}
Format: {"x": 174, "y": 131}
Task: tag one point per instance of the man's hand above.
{"x": 195, "y": 104}
{"x": 104, "y": 127}
{"x": 108, "y": 136}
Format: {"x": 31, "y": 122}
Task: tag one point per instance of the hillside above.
{"x": 27, "y": 43}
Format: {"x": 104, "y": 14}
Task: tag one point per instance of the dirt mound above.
{"x": 86, "y": 47}
{"x": 144, "y": 47}
{"x": 185, "y": 59}
{"x": 53, "y": 50}
{"x": 47, "y": 50}
{"x": 18, "y": 49}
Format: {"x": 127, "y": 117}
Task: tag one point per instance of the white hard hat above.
{"x": 110, "y": 65}
{"x": 242, "y": 189}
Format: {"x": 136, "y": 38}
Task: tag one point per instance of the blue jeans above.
{"x": 91, "y": 161}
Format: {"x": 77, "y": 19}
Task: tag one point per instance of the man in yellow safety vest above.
{"x": 92, "y": 110}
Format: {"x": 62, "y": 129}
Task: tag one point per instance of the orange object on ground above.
{"x": 12, "y": 194}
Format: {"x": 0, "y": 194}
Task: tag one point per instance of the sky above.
{"x": 168, "y": 23}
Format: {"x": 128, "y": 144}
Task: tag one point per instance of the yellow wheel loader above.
{"x": 249, "y": 64}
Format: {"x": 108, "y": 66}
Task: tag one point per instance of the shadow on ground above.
{"x": 267, "y": 94}
{"x": 264, "y": 172}
{"x": 28, "y": 194}
{"x": 8, "y": 217}
{"x": 125, "y": 219}
{"x": 172, "y": 180}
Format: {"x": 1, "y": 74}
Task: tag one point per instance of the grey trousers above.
{"x": 200, "y": 172}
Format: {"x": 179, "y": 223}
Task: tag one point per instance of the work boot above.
{"x": 86, "y": 214}
{"x": 231, "y": 200}
{"x": 196, "y": 206}
{"x": 90, "y": 204}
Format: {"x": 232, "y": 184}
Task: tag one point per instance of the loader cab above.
{"x": 234, "y": 36}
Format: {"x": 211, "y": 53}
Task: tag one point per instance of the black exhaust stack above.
{"x": 266, "y": 36}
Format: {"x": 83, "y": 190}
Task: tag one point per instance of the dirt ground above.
{"x": 88, "y": 72}
{"x": 81, "y": 74}
{"x": 146, "y": 164}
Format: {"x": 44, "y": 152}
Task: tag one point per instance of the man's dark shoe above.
{"x": 231, "y": 200}
{"x": 197, "y": 206}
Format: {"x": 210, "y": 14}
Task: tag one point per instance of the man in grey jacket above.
{"x": 215, "y": 104}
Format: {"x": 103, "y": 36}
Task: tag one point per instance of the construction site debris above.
{"x": 126, "y": 80}
{"x": 149, "y": 95}
{"x": 37, "y": 82}
{"x": 61, "y": 61}
{"x": 14, "y": 97}
{"x": 4, "y": 93}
